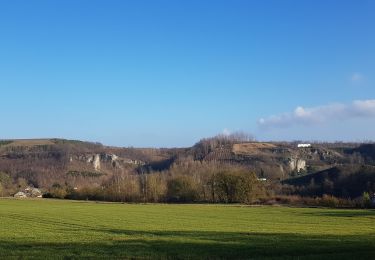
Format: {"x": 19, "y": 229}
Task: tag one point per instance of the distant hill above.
{"x": 341, "y": 181}
{"x": 367, "y": 151}
{"x": 47, "y": 162}
{"x": 44, "y": 162}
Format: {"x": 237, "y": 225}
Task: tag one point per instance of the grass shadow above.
{"x": 348, "y": 213}
{"x": 197, "y": 245}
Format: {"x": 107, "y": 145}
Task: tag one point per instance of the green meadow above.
{"x": 75, "y": 229}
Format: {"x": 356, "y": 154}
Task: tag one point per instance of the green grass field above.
{"x": 73, "y": 229}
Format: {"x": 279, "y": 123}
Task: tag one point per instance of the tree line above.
{"x": 183, "y": 183}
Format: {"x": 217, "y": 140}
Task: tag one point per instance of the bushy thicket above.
{"x": 349, "y": 181}
{"x": 183, "y": 183}
{"x": 330, "y": 201}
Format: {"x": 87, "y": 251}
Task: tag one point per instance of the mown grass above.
{"x": 72, "y": 229}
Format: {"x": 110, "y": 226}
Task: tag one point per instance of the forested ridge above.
{"x": 221, "y": 169}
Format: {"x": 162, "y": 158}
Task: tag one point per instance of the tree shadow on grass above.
{"x": 197, "y": 245}
{"x": 348, "y": 213}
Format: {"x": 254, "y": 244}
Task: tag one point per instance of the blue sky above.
{"x": 167, "y": 73}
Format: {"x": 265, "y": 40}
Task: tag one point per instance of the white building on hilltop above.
{"x": 304, "y": 145}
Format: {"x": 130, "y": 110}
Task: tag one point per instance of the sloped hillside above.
{"x": 366, "y": 151}
{"x": 272, "y": 160}
{"x": 46, "y": 162}
{"x": 341, "y": 181}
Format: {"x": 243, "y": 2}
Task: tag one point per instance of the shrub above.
{"x": 328, "y": 201}
{"x": 181, "y": 189}
{"x": 366, "y": 200}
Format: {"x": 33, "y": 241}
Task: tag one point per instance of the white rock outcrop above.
{"x": 297, "y": 164}
{"x": 96, "y": 162}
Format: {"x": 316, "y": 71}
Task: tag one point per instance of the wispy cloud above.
{"x": 356, "y": 77}
{"x": 321, "y": 114}
{"x": 226, "y": 132}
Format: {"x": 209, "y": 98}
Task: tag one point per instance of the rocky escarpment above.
{"x": 44, "y": 162}
{"x": 97, "y": 160}
{"x": 271, "y": 160}
{"x": 279, "y": 160}
{"x": 297, "y": 164}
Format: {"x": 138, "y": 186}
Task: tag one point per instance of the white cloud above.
{"x": 356, "y": 77}
{"x": 321, "y": 114}
{"x": 226, "y": 132}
